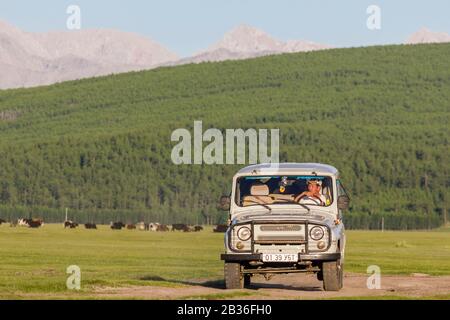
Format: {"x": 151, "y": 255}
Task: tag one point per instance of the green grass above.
{"x": 445, "y": 228}
{"x": 399, "y": 252}
{"x": 34, "y": 262}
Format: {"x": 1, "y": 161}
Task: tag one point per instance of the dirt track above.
{"x": 291, "y": 286}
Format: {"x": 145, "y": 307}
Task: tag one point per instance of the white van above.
{"x": 285, "y": 218}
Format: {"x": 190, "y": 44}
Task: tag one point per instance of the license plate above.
{"x": 279, "y": 257}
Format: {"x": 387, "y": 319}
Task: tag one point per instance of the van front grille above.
{"x": 281, "y": 238}
{"x": 280, "y": 234}
{"x": 281, "y": 227}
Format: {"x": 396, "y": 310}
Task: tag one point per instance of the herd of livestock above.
{"x": 157, "y": 227}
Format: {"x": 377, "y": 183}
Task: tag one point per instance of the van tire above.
{"x": 234, "y": 278}
{"x": 333, "y": 275}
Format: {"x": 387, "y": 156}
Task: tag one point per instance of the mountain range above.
{"x": 30, "y": 59}
{"x": 33, "y": 59}
{"x": 425, "y": 35}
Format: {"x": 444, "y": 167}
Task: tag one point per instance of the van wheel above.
{"x": 234, "y": 278}
{"x": 333, "y": 275}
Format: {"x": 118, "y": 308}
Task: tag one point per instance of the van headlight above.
{"x": 244, "y": 233}
{"x": 316, "y": 233}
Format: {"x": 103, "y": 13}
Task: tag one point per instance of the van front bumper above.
{"x": 236, "y": 257}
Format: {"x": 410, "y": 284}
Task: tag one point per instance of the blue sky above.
{"x": 187, "y": 26}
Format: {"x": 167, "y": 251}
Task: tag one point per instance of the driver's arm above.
{"x": 301, "y": 195}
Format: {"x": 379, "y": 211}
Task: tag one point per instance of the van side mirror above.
{"x": 343, "y": 202}
{"x": 224, "y": 203}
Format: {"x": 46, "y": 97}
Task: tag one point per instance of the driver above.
{"x": 313, "y": 195}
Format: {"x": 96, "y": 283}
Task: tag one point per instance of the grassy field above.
{"x": 33, "y": 262}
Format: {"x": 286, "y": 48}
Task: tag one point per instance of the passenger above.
{"x": 313, "y": 195}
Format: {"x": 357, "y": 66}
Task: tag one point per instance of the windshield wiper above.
{"x": 288, "y": 201}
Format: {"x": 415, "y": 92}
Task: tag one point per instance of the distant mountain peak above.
{"x": 245, "y": 41}
{"x": 245, "y": 29}
{"x": 245, "y": 38}
{"x": 425, "y": 35}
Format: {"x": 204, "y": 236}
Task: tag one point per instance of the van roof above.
{"x": 289, "y": 168}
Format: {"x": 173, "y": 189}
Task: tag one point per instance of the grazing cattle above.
{"x": 23, "y": 222}
{"x": 162, "y": 228}
{"x": 221, "y": 228}
{"x": 180, "y": 226}
{"x": 153, "y": 226}
{"x": 142, "y": 226}
{"x": 70, "y": 224}
{"x": 90, "y": 226}
{"x": 189, "y": 229}
{"x": 31, "y": 223}
{"x": 117, "y": 225}
{"x": 131, "y": 226}
{"x": 198, "y": 228}
{"x": 2, "y": 221}
{"x": 35, "y": 224}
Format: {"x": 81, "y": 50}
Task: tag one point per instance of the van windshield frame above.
{"x": 293, "y": 185}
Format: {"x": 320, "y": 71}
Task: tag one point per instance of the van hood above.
{"x": 283, "y": 214}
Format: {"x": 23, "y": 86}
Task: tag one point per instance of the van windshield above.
{"x": 266, "y": 190}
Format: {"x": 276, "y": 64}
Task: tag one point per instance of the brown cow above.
{"x": 70, "y": 224}
{"x": 162, "y": 228}
{"x": 90, "y": 226}
{"x": 180, "y": 226}
{"x": 35, "y": 223}
{"x": 221, "y": 228}
{"x": 117, "y": 225}
{"x": 131, "y": 226}
{"x": 31, "y": 223}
